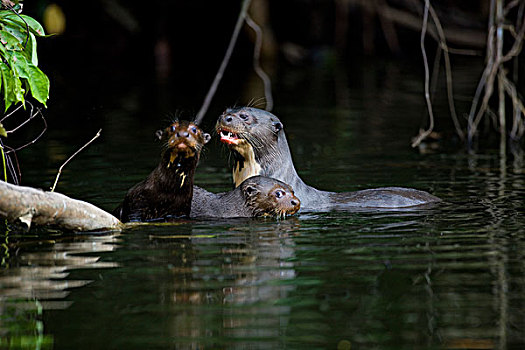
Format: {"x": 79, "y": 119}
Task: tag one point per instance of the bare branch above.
{"x": 31, "y": 206}
{"x": 519, "y": 109}
{"x": 516, "y": 47}
{"x": 448, "y": 72}
{"x": 224, "y": 63}
{"x": 74, "y": 154}
{"x": 31, "y": 116}
{"x": 3, "y": 162}
{"x": 38, "y": 112}
{"x": 424, "y": 134}
{"x": 257, "y": 65}
{"x": 16, "y": 174}
{"x": 485, "y": 82}
{"x": 10, "y": 114}
{"x": 510, "y": 6}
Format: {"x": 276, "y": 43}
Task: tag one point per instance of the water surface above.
{"x": 448, "y": 276}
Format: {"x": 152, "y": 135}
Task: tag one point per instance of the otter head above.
{"x": 183, "y": 140}
{"x": 253, "y": 136}
{"x": 269, "y": 197}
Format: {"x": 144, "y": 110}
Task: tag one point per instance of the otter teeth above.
{"x": 229, "y": 137}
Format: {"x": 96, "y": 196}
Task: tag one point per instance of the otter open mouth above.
{"x": 229, "y": 137}
{"x": 181, "y": 149}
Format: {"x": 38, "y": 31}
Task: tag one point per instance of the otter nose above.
{"x": 182, "y": 134}
{"x": 294, "y": 202}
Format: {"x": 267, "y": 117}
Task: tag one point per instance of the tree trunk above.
{"x": 29, "y": 205}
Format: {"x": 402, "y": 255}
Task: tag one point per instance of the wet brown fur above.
{"x": 255, "y": 197}
{"x": 167, "y": 191}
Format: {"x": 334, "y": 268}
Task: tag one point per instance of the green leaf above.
{"x": 31, "y": 49}
{"x": 3, "y": 51}
{"x": 12, "y": 86}
{"x": 18, "y": 59}
{"x": 2, "y": 131}
{"x": 20, "y": 64}
{"x": 10, "y": 41}
{"x": 6, "y": 85}
{"x": 39, "y": 84}
{"x": 37, "y": 80}
{"x": 18, "y": 32}
{"x": 23, "y": 21}
{"x": 34, "y": 25}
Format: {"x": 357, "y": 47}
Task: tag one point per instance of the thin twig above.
{"x": 4, "y": 162}
{"x": 422, "y": 135}
{"x": 16, "y": 174}
{"x": 11, "y": 113}
{"x": 435, "y": 73}
{"x": 510, "y": 6}
{"x": 485, "y": 82}
{"x": 489, "y": 89}
{"x": 74, "y": 154}
{"x": 31, "y": 116}
{"x": 224, "y": 63}
{"x": 516, "y": 47}
{"x": 448, "y": 72}
{"x": 519, "y": 109}
{"x": 38, "y": 112}
{"x": 257, "y": 64}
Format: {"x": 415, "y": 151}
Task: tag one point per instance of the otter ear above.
{"x": 207, "y": 137}
{"x": 159, "y": 134}
{"x": 277, "y": 126}
{"x": 251, "y": 190}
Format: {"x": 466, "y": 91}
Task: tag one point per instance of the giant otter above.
{"x": 259, "y": 147}
{"x": 167, "y": 191}
{"x": 254, "y": 197}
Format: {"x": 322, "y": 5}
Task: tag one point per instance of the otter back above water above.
{"x": 258, "y": 142}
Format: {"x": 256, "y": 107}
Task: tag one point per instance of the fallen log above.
{"x": 33, "y": 206}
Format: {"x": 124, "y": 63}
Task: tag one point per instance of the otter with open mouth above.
{"x": 258, "y": 144}
{"x": 257, "y": 196}
{"x": 168, "y": 190}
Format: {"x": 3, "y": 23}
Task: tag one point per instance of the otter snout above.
{"x": 295, "y": 204}
{"x": 183, "y": 137}
{"x": 236, "y": 117}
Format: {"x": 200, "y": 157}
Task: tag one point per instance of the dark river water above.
{"x": 449, "y": 276}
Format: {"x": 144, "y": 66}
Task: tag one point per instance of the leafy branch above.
{"x": 19, "y": 73}
{"x": 19, "y": 61}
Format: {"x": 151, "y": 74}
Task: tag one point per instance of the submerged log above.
{"x": 29, "y": 205}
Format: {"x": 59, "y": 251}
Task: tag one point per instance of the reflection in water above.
{"x": 449, "y": 276}
{"x": 36, "y": 279}
{"x": 239, "y": 276}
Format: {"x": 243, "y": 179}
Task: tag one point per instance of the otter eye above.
{"x": 193, "y": 129}
{"x": 279, "y": 193}
{"x": 243, "y": 116}
{"x": 173, "y": 128}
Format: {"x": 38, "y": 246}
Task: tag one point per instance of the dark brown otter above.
{"x": 259, "y": 147}
{"x": 167, "y": 191}
{"x": 256, "y": 196}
